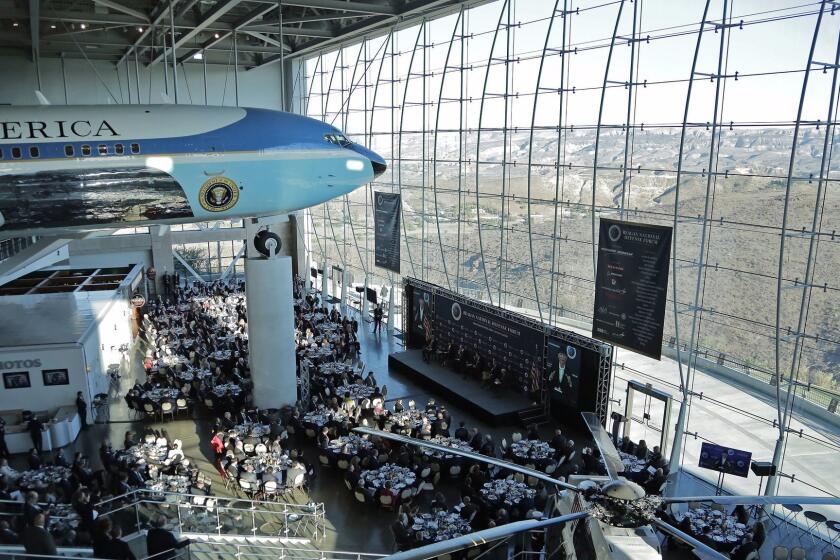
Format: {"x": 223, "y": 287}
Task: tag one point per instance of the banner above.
{"x": 386, "y": 219}
{"x": 515, "y": 346}
{"x": 631, "y": 285}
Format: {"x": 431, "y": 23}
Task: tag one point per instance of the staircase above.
{"x": 538, "y": 414}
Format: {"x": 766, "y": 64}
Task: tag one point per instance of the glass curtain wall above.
{"x": 510, "y": 127}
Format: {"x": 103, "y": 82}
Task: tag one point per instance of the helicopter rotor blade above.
{"x": 482, "y": 537}
{"x": 704, "y": 551}
{"x": 605, "y": 445}
{"x": 755, "y": 500}
{"x": 468, "y": 455}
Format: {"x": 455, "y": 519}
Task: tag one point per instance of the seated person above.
{"x": 491, "y": 373}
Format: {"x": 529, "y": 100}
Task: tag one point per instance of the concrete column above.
{"x": 268, "y": 287}
{"x": 162, "y": 258}
{"x": 325, "y": 282}
{"x": 365, "y": 303}
{"x": 344, "y": 276}
{"x": 307, "y": 273}
{"x": 391, "y": 317}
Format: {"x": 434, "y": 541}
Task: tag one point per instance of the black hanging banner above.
{"x": 631, "y": 285}
{"x": 386, "y": 218}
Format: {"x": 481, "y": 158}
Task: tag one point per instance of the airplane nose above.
{"x": 379, "y": 168}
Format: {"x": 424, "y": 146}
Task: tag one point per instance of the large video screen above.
{"x": 725, "y": 459}
{"x": 563, "y": 367}
{"x": 420, "y": 320}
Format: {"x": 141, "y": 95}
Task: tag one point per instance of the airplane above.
{"x": 71, "y": 169}
{"x": 615, "y": 514}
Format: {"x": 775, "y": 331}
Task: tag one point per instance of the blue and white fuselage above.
{"x": 94, "y": 167}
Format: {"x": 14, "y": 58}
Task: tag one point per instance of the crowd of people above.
{"x": 198, "y": 359}
{"x": 55, "y": 503}
{"x": 197, "y": 352}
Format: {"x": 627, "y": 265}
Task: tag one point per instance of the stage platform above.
{"x": 494, "y": 407}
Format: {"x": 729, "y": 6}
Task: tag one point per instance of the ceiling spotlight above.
{"x": 198, "y": 56}
{"x": 140, "y": 29}
{"x": 215, "y": 35}
{"x": 52, "y": 26}
{"x": 15, "y": 24}
{"x": 83, "y": 26}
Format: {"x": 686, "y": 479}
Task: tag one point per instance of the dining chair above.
{"x": 343, "y": 464}
{"x": 149, "y": 410}
{"x": 149, "y": 438}
{"x": 454, "y": 470}
{"x": 260, "y": 449}
{"x": 269, "y": 490}
{"x": 182, "y": 404}
{"x": 360, "y": 496}
{"x": 386, "y": 501}
{"x": 348, "y": 484}
{"x": 780, "y": 553}
{"x": 324, "y": 460}
{"x": 166, "y": 408}
{"x": 516, "y": 437}
{"x": 208, "y": 403}
{"x": 798, "y": 553}
{"x": 248, "y": 489}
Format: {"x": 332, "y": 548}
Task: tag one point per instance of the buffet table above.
{"x": 62, "y": 427}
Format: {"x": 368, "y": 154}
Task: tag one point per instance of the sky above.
{"x": 776, "y": 49}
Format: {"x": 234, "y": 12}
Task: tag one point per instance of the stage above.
{"x": 496, "y": 407}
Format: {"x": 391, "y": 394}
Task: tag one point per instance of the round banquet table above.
{"x": 509, "y": 493}
{"x": 439, "y": 526}
{"x": 399, "y": 477}
{"x": 532, "y": 451}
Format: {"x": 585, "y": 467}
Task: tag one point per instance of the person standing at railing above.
{"x": 160, "y": 543}
{"x": 37, "y": 540}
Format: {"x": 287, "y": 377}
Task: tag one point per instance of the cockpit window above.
{"x": 337, "y": 139}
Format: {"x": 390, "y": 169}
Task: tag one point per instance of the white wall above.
{"x": 38, "y": 397}
{"x": 257, "y": 88}
{"x": 101, "y": 345}
{"x": 108, "y": 260}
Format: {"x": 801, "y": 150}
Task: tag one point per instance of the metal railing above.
{"x": 12, "y": 246}
{"x": 188, "y": 513}
{"x": 18, "y": 551}
{"x": 243, "y": 551}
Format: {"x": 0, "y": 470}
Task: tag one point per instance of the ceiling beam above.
{"x": 368, "y": 25}
{"x": 124, "y": 9}
{"x": 248, "y": 19}
{"x": 378, "y": 9}
{"x": 155, "y": 20}
{"x": 264, "y": 38}
{"x": 296, "y": 31}
{"x": 215, "y": 13}
{"x": 329, "y": 16}
{"x": 34, "y": 28}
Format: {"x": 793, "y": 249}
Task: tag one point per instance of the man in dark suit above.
{"x": 36, "y": 539}
{"x": 159, "y": 540}
{"x": 81, "y": 408}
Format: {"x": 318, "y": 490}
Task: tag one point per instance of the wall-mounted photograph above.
{"x": 55, "y": 377}
{"x": 16, "y": 380}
